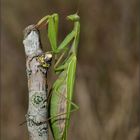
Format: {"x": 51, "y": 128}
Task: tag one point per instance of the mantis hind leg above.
{"x": 73, "y": 108}
{"x": 76, "y": 107}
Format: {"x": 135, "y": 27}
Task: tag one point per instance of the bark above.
{"x": 37, "y": 64}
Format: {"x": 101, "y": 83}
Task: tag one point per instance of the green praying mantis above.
{"x": 61, "y": 93}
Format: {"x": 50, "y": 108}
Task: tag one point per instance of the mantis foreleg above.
{"x": 52, "y": 21}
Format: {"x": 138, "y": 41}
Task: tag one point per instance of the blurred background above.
{"x": 107, "y": 84}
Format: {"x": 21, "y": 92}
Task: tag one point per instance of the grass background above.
{"x": 107, "y": 84}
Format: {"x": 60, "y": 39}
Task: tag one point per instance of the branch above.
{"x": 37, "y": 64}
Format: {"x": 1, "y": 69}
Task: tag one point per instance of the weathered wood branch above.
{"x": 37, "y": 64}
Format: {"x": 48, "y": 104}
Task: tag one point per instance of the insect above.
{"x": 60, "y": 105}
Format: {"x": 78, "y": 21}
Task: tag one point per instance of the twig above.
{"x": 37, "y": 64}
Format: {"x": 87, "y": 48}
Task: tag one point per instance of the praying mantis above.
{"x": 62, "y": 89}
{"x": 61, "y": 93}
